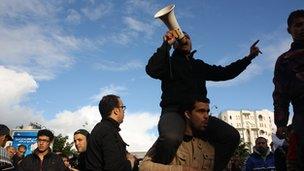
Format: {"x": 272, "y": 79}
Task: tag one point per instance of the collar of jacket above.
{"x": 35, "y": 152}
{"x": 187, "y": 138}
{"x": 113, "y": 122}
{"x": 297, "y": 45}
{"x": 178, "y": 54}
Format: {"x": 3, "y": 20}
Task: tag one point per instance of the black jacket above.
{"x": 183, "y": 79}
{"x": 81, "y": 162}
{"x": 51, "y": 162}
{"x": 289, "y": 86}
{"x": 106, "y": 149}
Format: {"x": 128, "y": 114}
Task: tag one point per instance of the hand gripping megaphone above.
{"x": 167, "y": 16}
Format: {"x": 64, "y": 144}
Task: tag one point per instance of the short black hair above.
{"x": 190, "y": 105}
{"x": 107, "y": 104}
{"x": 293, "y": 15}
{"x": 46, "y": 132}
{"x": 83, "y": 132}
{"x": 256, "y": 140}
{"x": 21, "y": 145}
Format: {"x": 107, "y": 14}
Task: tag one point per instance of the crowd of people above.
{"x": 189, "y": 138}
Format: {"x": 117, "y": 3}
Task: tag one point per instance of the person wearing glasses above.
{"x": 42, "y": 157}
{"x": 106, "y": 149}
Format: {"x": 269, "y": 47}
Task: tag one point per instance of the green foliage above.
{"x": 61, "y": 145}
{"x": 242, "y": 151}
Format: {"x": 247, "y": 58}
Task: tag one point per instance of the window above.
{"x": 260, "y": 118}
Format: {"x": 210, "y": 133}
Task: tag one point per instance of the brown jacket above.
{"x": 194, "y": 153}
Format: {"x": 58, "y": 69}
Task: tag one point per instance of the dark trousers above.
{"x": 171, "y": 127}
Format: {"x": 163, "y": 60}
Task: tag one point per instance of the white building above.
{"x": 250, "y": 124}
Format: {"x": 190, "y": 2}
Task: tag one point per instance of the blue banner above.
{"x": 27, "y": 138}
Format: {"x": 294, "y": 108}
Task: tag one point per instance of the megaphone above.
{"x": 167, "y": 16}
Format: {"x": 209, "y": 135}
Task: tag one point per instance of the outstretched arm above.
{"x": 220, "y": 73}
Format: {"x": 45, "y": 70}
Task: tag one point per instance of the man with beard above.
{"x": 261, "y": 158}
{"x": 81, "y": 138}
{"x": 182, "y": 78}
{"x": 42, "y": 158}
{"x": 195, "y": 152}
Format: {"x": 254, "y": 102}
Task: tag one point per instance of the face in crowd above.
{"x": 296, "y": 28}
{"x": 10, "y": 151}
{"x": 120, "y": 111}
{"x": 43, "y": 143}
{"x": 199, "y": 116}
{"x": 80, "y": 142}
{"x": 184, "y": 45}
{"x": 261, "y": 145}
{"x": 21, "y": 151}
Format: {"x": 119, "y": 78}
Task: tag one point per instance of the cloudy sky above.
{"x": 59, "y": 57}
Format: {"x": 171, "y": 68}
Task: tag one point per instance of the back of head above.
{"x": 293, "y": 15}
{"x": 107, "y": 104}
{"x": 46, "y": 132}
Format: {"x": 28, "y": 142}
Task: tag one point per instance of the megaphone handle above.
{"x": 177, "y": 33}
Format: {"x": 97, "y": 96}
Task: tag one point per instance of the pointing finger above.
{"x": 255, "y": 43}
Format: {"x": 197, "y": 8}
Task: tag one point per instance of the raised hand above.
{"x": 169, "y": 37}
{"x": 254, "y": 50}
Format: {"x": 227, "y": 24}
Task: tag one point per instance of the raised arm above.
{"x": 220, "y": 73}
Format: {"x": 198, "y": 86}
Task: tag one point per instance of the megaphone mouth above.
{"x": 164, "y": 11}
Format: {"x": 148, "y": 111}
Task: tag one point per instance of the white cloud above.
{"x": 139, "y": 26}
{"x": 118, "y": 66}
{"x": 112, "y": 89}
{"x": 15, "y": 86}
{"x": 29, "y": 11}
{"x": 96, "y": 12}
{"x": 73, "y": 17}
{"x": 35, "y": 50}
{"x": 135, "y": 130}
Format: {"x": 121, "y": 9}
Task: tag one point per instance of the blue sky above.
{"x": 58, "y": 58}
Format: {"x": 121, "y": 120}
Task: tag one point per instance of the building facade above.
{"x": 250, "y": 124}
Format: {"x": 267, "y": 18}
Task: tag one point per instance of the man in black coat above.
{"x": 106, "y": 149}
{"x": 183, "y": 78}
{"x": 42, "y": 158}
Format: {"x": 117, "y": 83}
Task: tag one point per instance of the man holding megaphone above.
{"x": 183, "y": 78}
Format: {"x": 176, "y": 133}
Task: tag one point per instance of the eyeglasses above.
{"x": 123, "y": 107}
{"x": 43, "y": 140}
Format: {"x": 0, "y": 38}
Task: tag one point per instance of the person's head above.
{"x": 184, "y": 45}
{"x": 197, "y": 113}
{"x": 112, "y": 106}
{"x": 44, "y": 139}
{"x": 10, "y": 151}
{"x": 4, "y": 135}
{"x": 261, "y": 145}
{"x": 81, "y": 138}
{"x": 295, "y": 24}
{"x": 66, "y": 160}
{"x": 21, "y": 150}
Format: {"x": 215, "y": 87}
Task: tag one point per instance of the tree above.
{"x": 61, "y": 145}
